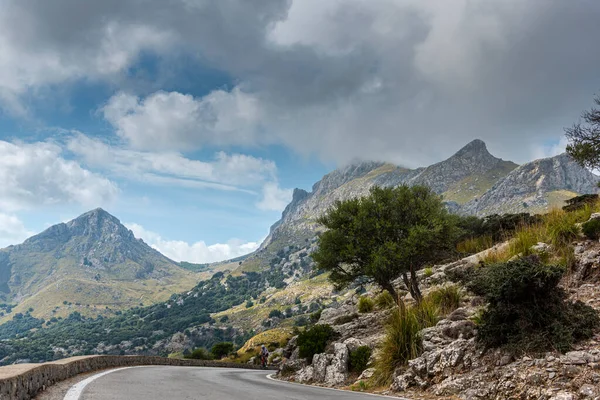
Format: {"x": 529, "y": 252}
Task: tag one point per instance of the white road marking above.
{"x": 76, "y": 390}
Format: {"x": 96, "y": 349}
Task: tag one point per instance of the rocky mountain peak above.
{"x": 475, "y": 148}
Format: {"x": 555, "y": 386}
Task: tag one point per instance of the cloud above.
{"x": 171, "y": 120}
{"x": 12, "y": 230}
{"x": 231, "y": 172}
{"x": 274, "y": 198}
{"x": 198, "y": 252}
{"x": 406, "y": 81}
{"x": 37, "y": 174}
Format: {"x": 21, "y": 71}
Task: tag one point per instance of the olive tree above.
{"x": 584, "y": 138}
{"x": 389, "y": 234}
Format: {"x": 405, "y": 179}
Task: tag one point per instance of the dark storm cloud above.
{"x": 402, "y": 80}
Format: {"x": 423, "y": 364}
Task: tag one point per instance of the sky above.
{"x": 193, "y": 120}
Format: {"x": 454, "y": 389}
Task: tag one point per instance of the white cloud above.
{"x": 174, "y": 121}
{"x": 274, "y": 198}
{"x": 12, "y": 230}
{"x": 198, "y": 252}
{"x": 37, "y": 174}
{"x": 554, "y": 148}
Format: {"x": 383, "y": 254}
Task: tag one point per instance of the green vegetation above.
{"x": 527, "y": 310}
{"x": 359, "y": 359}
{"x": 428, "y": 272}
{"x": 142, "y": 326}
{"x": 314, "y": 340}
{"x": 391, "y": 233}
{"x": 222, "y": 349}
{"x": 384, "y": 300}
{"x": 365, "y": 304}
{"x": 585, "y": 138}
{"x": 199, "y": 354}
{"x": 446, "y": 298}
{"x": 591, "y": 229}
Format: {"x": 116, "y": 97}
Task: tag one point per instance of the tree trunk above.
{"x": 418, "y": 296}
{"x": 392, "y": 290}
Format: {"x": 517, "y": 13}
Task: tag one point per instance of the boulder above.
{"x": 337, "y": 371}
{"x": 354, "y": 343}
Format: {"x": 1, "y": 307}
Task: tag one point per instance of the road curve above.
{"x": 193, "y": 383}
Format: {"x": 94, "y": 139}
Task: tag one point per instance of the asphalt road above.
{"x": 189, "y": 383}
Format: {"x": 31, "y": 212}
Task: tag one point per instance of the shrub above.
{"x": 221, "y": 349}
{"x": 527, "y": 310}
{"x": 276, "y": 314}
{"x": 224, "y": 318}
{"x": 365, "y": 304}
{"x": 428, "y": 272}
{"x": 359, "y": 359}
{"x": 314, "y": 317}
{"x": 199, "y": 354}
{"x": 344, "y": 319}
{"x": 580, "y": 202}
{"x": 447, "y": 298}
{"x": 402, "y": 342}
{"x": 314, "y": 340}
{"x": 591, "y": 229}
{"x": 301, "y": 321}
{"x": 384, "y": 300}
{"x": 249, "y": 304}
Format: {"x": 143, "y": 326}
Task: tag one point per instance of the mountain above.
{"x": 88, "y": 264}
{"x": 471, "y": 182}
{"x": 535, "y": 187}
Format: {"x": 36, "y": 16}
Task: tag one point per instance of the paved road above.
{"x": 189, "y": 383}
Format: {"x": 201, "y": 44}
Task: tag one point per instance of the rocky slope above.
{"x": 472, "y": 182}
{"x": 89, "y": 263}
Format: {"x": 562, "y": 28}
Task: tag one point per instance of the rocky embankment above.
{"x": 452, "y": 365}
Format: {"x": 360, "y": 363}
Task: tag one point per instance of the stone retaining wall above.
{"x": 24, "y": 381}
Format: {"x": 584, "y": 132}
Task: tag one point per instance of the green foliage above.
{"x": 428, "y": 272}
{"x": 249, "y": 304}
{"x": 219, "y": 350}
{"x": 276, "y": 314}
{"x": 580, "y": 202}
{"x": 315, "y": 316}
{"x": 584, "y": 138}
{"x": 402, "y": 342}
{"x": 527, "y": 310}
{"x": 199, "y": 354}
{"x": 591, "y": 229}
{"x": 365, "y": 304}
{"x": 314, "y": 340}
{"x": 224, "y": 319}
{"x": 382, "y": 236}
{"x": 359, "y": 359}
{"x": 384, "y": 300}
{"x": 446, "y": 298}
{"x": 301, "y": 321}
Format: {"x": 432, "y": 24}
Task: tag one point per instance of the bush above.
{"x": 527, "y": 310}
{"x": 384, "y": 300}
{"x": 224, "y": 318}
{"x": 249, "y": 304}
{"x": 402, "y": 342}
{"x": 314, "y": 317}
{"x": 359, "y": 359}
{"x": 447, "y": 298}
{"x": 365, "y": 304}
{"x": 221, "y": 349}
{"x": 580, "y": 202}
{"x": 199, "y": 354}
{"x": 428, "y": 272}
{"x": 591, "y": 229}
{"x": 276, "y": 314}
{"x": 314, "y": 340}
{"x": 301, "y": 321}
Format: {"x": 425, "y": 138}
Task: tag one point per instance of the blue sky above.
{"x": 193, "y": 120}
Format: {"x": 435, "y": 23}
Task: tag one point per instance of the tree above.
{"x": 585, "y": 138}
{"x": 221, "y": 349}
{"x": 389, "y": 234}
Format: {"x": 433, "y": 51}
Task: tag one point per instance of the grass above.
{"x": 446, "y": 298}
{"x": 402, "y": 340}
{"x": 384, "y": 300}
{"x": 278, "y": 335}
{"x": 365, "y": 304}
{"x": 475, "y": 245}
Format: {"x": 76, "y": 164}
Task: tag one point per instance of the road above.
{"x": 190, "y": 383}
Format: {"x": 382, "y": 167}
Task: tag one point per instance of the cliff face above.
{"x": 535, "y": 187}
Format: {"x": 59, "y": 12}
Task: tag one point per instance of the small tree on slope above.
{"x": 584, "y": 138}
{"x": 389, "y": 234}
